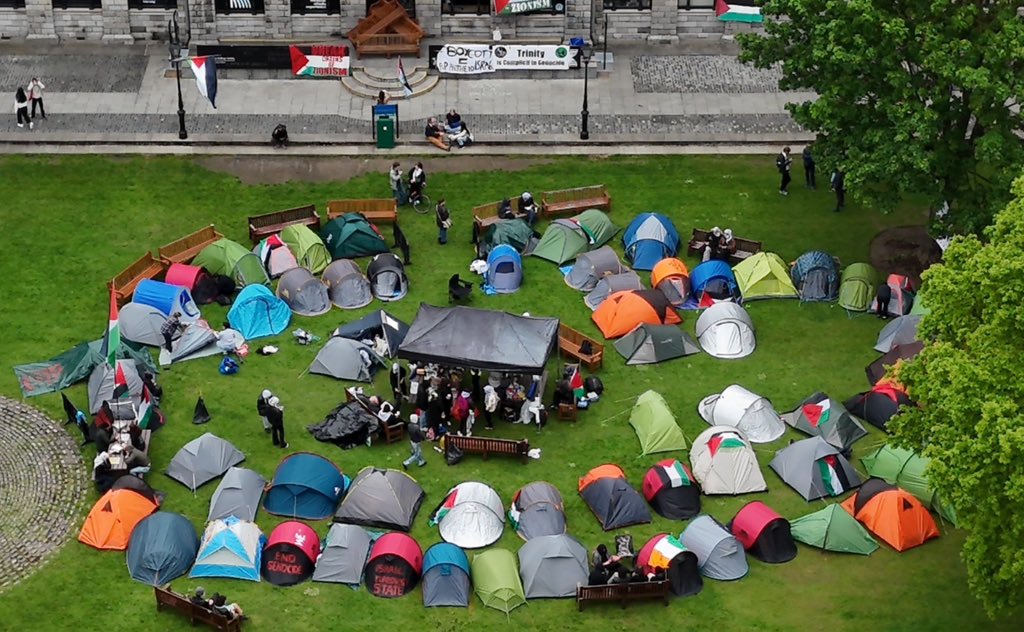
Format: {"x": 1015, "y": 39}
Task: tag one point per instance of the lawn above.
{"x": 71, "y": 223}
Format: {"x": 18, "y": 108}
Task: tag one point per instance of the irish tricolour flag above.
{"x": 738, "y": 11}
{"x": 818, "y": 414}
{"x": 665, "y": 551}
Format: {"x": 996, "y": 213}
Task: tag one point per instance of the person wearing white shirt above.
{"x": 35, "y": 94}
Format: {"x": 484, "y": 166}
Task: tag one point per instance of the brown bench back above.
{"x": 485, "y": 211}
{"x": 195, "y": 613}
{"x": 572, "y": 195}
{"x": 267, "y": 224}
{"x": 183, "y": 250}
{"x": 569, "y": 341}
{"x": 337, "y": 208}
{"x": 137, "y": 268}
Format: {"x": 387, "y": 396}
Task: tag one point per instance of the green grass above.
{"x": 71, "y": 223}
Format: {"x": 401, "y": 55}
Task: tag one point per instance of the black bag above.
{"x": 586, "y": 348}
{"x": 593, "y": 384}
{"x": 453, "y": 456}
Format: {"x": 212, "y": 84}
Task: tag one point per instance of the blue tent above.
{"x": 504, "y": 269}
{"x": 230, "y": 548}
{"x": 650, "y": 238}
{"x": 306, "y": 486}
{"x": 816, "y": 276}
{"x": 445, "y": 576}
{"x": 162, "y": 548}
{"x": 257, "y": 312}
{"x": 166, "y": 298}
{"x": 714, "y": 277}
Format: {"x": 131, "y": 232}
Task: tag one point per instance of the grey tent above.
{"x": 821, "y": 416}
{"x": 719, "y": 554}
{"x": 141, "y": 323}
{"x": 815, "y": 469}
{"x": 376, "y": 324}
{"x": 537, "y": 509}
{"x": 305, "y": 294}
{"x": 445, "y": 576}
{"x": 648, "y": 344}
{"x": 238, "y": 495}
{"x": 346, "y": 359}
{"x": 344, "y": 554}
{"x": 608, "y": 285}
{"x": 552, "y": 566}
{"x": 101, "y": 383}
{"x": 816, "y": 276}
{"x": 387, "y": 277}
{"x": 726, "y": 331}
{"x": 202, "y": 460}
{"x": 196, "y": 341}
{"x": 346, "y": 284}
{"x": 386, "y": 499}
{"x": 162, "y": 548}
{"x": 902, "y": 330}
{"x": 592, "y": 266}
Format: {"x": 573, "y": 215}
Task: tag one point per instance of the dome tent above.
{"x": 387, "y": 277}
{"x": 305, "y": 245}
{"x": 446, "y": 577}
{"x": 141, "y": 324}
{"x": 344, "y": 554}
{"x": 713, "y": 281}
{"x": 892, "y": 514}
{"x": 305, "y": 294}
{"x": 719, "y": 554}
{"x": 723, "y": 462}
{"x": 648, "y": 239}
{"x": 112, "y": 519}
{"x": 230, "y": 548}
{"x": 275, "y": 256}
{"x": 345, "y": 359}
{"x": 257, "y": 313}
{"x": 764, "y": 275}
{"x": 351, "y": 236}
{"x": 608, "y": 285}
{"x": 816, "y": 276}
{"x": 394, "y": 566}
{"x": 232, "y": 259}
{"x": 347, "y": 286}
{"x": 238, "y": 494}
{"x": 832, "y": 529}
{"x": 655, "y": 426}
{"x": 184, "y": 275}
{"x": 202, "y": 460}
{"x": 375, "y": 324}
{"x": 162, "y": 548}
{"x": 907, "y": 470}
{"x": 591, "y": 267}
{"x": 893, "y": 358}
{"x": 613, "y": 502}
{"x": 103, "y": 378}
{"x": 666, "y": 553}
{"x": 167, "y": 298}
{"x": 290, "y": 554}
{"x": 879, "y": 405}
{"x": 384, "y": 499}
{"x": 821, "y": 416}
{"x": 513, "y": 232}
{"x": 496, "y": 580}
{"x": 504, "y": 269}
{"x": 537, "y": 509}
{"x": 470, "y": 516}
{"x": 648, "y": 344}
{"x": 672, "y": 490}
{"x": 566, "y": 238}
{"x": 673, "y": 279}
{"x": 902, "y": 294}
{"x": 815, "y": 469}
{"x": 552, "y": 566}
{"x": 763, "y": 533}
{"x": 726, "y": 331}
{"x": 621, "y": 312}
{"x": 902, "y": 330}
{"x": 738, "y": 407}
{"x": 305, "y": 486}
{"x": 857, "y": 286}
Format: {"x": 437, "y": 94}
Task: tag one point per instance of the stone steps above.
{"x": 365, "y": 83}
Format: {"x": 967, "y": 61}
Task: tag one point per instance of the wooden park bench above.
{"x": 570, "y": 341}
{"x": 622, "y": 593}
{"x": 744, "y": 247}
{"x": 574, "y": 201}
{"x": 166, "y": 598}
{"x": 391, "y": 433}
{"x": 486, "y": 215}
{"x": 185, "y": 249}
{"x": 380, "y": 211}
{"x": 262, "y": 226}
{"x": 487, "y": 446}
{"x": 124, "y": 283}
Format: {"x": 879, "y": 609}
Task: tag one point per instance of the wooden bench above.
{"x": 391, "y": 433}
{"x": 124, "y": 283}
{"x": 185, "y": 249}
{"x": 486, "y": 215}
{"x": 744, "y": 247}
{"x": 487, "y": 446}
{"x": 381, "y": 211}
{"x": 166, "y": 598}
{"x": 622, "y": 593}
{"x": 569, "y": 342}
{"x": 261, "y": 226}
{"x": 573, "y": 201}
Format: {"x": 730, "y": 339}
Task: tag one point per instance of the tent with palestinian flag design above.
{"x": 880, "y": 404}
{"x": 671, "y": 490}
{"x": 821, "y": 416}
{"x": 724, "y": 462}
{"x": 815, "y": 469}
{"x": 665, "y": 553}
{"x": 739, "y": 11}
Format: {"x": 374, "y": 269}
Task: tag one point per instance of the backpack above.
{"x": 460, "y": 410}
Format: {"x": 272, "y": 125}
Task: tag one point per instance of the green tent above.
{"x": 75, "y": 365}
{"x": 514, "y": 232}
{"x": 764, "y": 275}
{"x": 918, "y": 308}
{"x": 906, "y": 470}
{"x": 857, "y": 286}
{"x": 598, "y": 227}
{"x": 833, "y": 529}
{"x": 562, "y": 241}
{"x": 351, "y": 236}
{"x": 234, "y": 260}
{"x": 655, "y": 426}
{"x": 306, "y": 247}
{"x": 496, "y": 580}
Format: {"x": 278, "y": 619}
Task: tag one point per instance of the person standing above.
{"x": 783, "y": 162}
{"x": 35, "y": 94}
{"x": 397, "y": 185}
{"x": 21, "y": 108}
{"x": 399, "y": 382}
{"x": 809, "y": 175}
{"x": 839, "y": 186}
{"x": 882, "y": 298}
{"x": 261, "y": 408}
{"x": 275, "y": 415}
{"x": 82, "y": 422}
{"x": 444, "y": 221}
{"x": 491, "y": 402}
{"x": 416, "y": 438}
{"x": 170, "y": 328}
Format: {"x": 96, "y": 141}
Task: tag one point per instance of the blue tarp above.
{"x": 504, "y": 269}
{"x": 306, "y": 486}
{"x": 162, "y": 548}
{"x": 257, "y": 312}
{"x": 167, "y": 298}
{"x": 648, "y": 239}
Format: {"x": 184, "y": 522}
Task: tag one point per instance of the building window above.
{"x": 76, "y": 4}
{"x": 153, "y": 4}
{"x": 316, "y": 7}
{"x": 635, "y": 5}
{"x": 408, "y": 5}
{"x": 686, "y": 5}
{"x": 12, "y": 4}
{"x": 467, "y": 7}
{"x": 251, "y": 7}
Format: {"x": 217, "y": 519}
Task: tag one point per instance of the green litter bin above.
{"x": 385, "y": 133}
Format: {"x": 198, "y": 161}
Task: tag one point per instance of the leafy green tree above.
{"x": 969, "y": 382}
{"x": 915, "y": 96}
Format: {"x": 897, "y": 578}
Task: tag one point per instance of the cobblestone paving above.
{"x": 42, "y": 483}
{"x": 700, "y": 73}
{"x": 120, "y": 72}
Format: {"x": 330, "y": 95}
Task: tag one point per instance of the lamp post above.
{"x": 586, "y": 53}
{"x": 175, "y": 47}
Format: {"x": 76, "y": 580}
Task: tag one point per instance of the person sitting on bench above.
{"x": 713, "y": 248}
{"x": 279, "y": 137}
{"x": 199, "y": 598}
{"x": 230, "y": 610}
{"x": 434, "y": 134}
{"x": 505, "y": 210}
{"x": 728, "y": 248}
{"x": 528, "y": 207}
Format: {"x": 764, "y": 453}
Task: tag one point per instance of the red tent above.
{"x": 671, "y": 490}
{"x": 290, "y": 554}
{"x": 666, "y": 553}
{"x": 394, "y": 566}
{"x": 184, "y": 275}
{"x": 763, "y": 533}
{"x": 878, "y": 405}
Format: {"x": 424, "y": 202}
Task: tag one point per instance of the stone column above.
{"x": 203, "y": 21}
{"x": 40, "y": 19}
{"x": 578, "y": 16}
{"x": 279, "y": 19}
{"x": 116, "y": 26}
{"x": 664, "y": 18}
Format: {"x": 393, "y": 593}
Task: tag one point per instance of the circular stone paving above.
{"x": 42, "y": 483}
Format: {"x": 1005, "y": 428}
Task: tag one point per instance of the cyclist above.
{"x": 417, "y": 182}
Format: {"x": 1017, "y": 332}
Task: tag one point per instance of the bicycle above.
{"x": 421, "y": 203}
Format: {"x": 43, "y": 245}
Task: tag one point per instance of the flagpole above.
{"x": 175, "y": 47}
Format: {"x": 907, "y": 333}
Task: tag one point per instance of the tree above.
{"x": 968, "y": 382}
{"x": 914, "y": 96}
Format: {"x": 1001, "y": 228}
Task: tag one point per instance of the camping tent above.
{"x": 671, "y": 489}
{"x": 345, "y": 359}
{"x": 275, "y": 256}
{"x": 738, "y": 407}
{"x": 648, "y": 344}
{"x": 376, "y": 324}
{"x": 137, "y": 485}
{"x": 303, "y": 292}
{"x": 496, "y": 580}
{"x": 306, "y": 247}
{"x": 908, "y": 471}
{"x": 305, "y": 486}
{"x": 821, "y": 416}
{"x": 238, "y": 494}
{"x": 504, "y": 269}
{"x": 878, "y": 405}
{"x": 537, "y": 509}
{"x": 655, "y": 426}
{"x": 566, "y": 238}
{"x": 621, "y": 312}
{"x": 857, "y": 286}
{"x": 75, "y": 365}
{"x": 591, "y": 267}
{"x": 763, "y": 533}
{"x": 230, "y": 548}
{"x": 597, "y": 225}
{"x": 815, "y": 469}
{"x": 232, "y": 259}
{"x": 198, "y": 340}
{"x": 673, "y": 279}
{"x": 723, "y": 462}
{"x": 892, "y": 514}
{"x": 919, "y": 308}
{"x": 290, "y": 554}
{"x": 185, "y": 276}
{"x": 203, "y": 459}
{"x": 111, "y": 520}
{"x": 345, "y": 549}
{"x": 513, "y": 232}
{"x": 470, "y": 516}
{"x": 552, "y": 566}
{"x": 387, "y": 277}
{"x": 764, "y": 275}
{"x": 162, "y": 548}
{"x": 726, "y": 331}
{"x": 902, "y": 297}
{"x": 648, "y": 239}
{"x": 613, "y": 502}
{"x": 608, "y": 285}
{"x": 347, "y": 286}
{"x": 394, "y": 566}
{"x": 719, "y": 554}
{"x": 102, "y": 381}
{"x": 445, "y": 577}
{"x": 351, "y": 236}
{"x": 713, "y": 281}
{"x": 480, "y": 338}
{"x": 816, "y": 276}
{"x": 892, "y": 358}
{"x": 667, "y": 554}
{"x": 900, "y": 331}
{"x": 257, "y": 313}
{"x": 141, "y": 323}
{"x": 832, "y": 529}
{"x": 385, "y": 499}
{"x": 167, "y": 298}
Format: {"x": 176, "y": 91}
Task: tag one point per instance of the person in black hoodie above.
{"x": 275, "y": 415}
{"x": 262, "y": 404}
{"x": 444, "y": 221}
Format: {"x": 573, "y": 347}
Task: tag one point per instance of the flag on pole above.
{"x": 403, "y": 79}
{"x": 120, "y": 382}
{"x": 205, "y": 71}
{"x": 738, "y": 11}
{"x": 112, "y": 339}
{"x": 149, "y": 416}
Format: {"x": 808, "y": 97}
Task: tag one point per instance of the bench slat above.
{"x": 376, "y": 211}
{"x": 487, "y": 445}
{"x": 622, "y": 593}
{"x": 185, "y": 249}
{"x": 571, "y": 201}
{"x": 569, "y": 341}
{"x": 267, "y": 224}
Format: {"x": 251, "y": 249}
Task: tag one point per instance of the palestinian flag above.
{"x": 665, "y": 551}
{"x": 149, "y": 415}
{"x": 514, "y": 513}
{"x": 818, "y": 414}
{"x": 120, "y": 383}
{"x": 445, "y": 507}
{"x": 403, "y": 80}
{"x": 706, "y": 300}
{"x": 576, "y": 383}
{"x": 112, "y": 339}
{"x": 738, "y": 11}
{"x": 677, "y": 475}
{"x": 205, "y": 71}
{"x": 829, "y": 476}
{"x": 727, "y": 440}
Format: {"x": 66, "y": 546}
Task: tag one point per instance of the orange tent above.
{"x": 668, "y": 268}
{"x": 621, "y": 312}
{"x": 892, "y": 514}
{"x": 673, "y": 279}
{"x": 113, "y": 517}
{"x": 601, "y": 471}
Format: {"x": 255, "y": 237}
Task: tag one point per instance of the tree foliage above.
{"x": 914, "y": 96}
{"x": 969, "y": 382}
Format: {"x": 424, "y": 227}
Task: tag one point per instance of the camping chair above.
{"x": 458, "y": 290}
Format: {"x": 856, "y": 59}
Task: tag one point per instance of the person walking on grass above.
{"x": 35, "y": 94}
{"x": 275, "y": 415}
{"x": 262, "y": 404}
{"x": 416, "y": 438}
{"x": 397, "y": 185}
{"x": 839, "y": 186}
{"x": 21, "y": 108}
{"x": 809, "y": 170}
{"x": 783, "y": 162}
{"x": 444, "y": 221}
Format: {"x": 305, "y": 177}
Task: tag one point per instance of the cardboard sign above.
{"x": 320, "y": 61}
